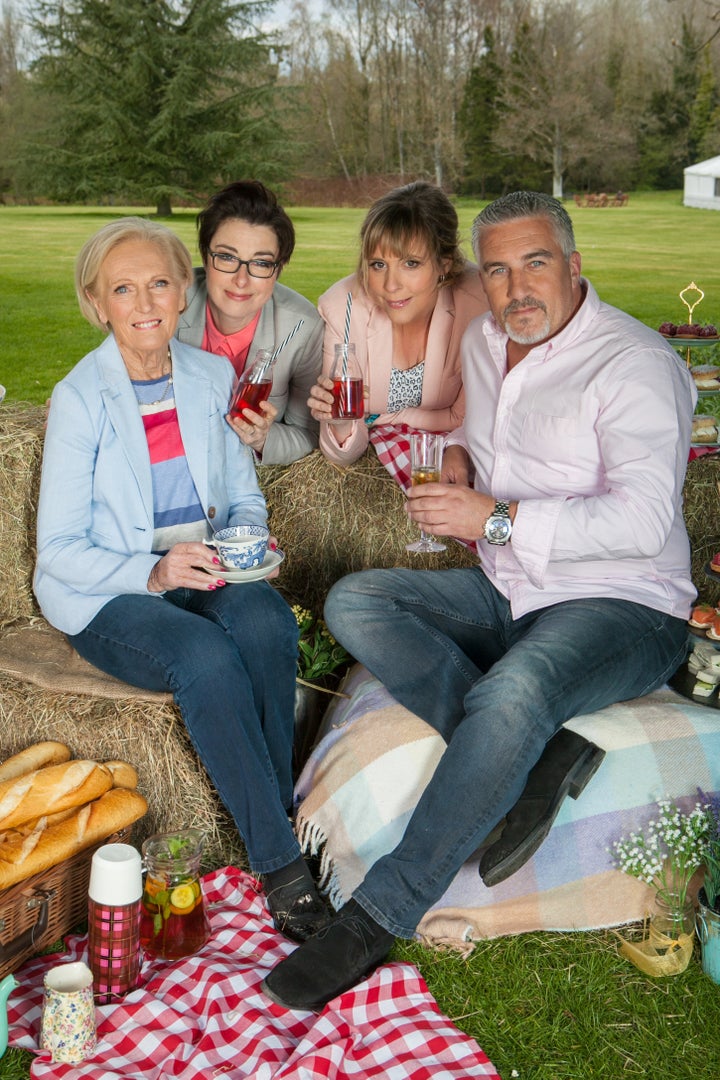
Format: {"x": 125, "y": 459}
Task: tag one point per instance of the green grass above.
{"x": 542, "y": 1006}
{"x": 562, "y": 1007}
{"x": 639, "y": 257}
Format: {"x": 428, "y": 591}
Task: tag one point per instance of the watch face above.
{"x": 498, "y": 529}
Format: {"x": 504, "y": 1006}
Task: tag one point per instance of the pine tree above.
{"x": 152, "y": 99}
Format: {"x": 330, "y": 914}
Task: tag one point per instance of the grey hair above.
{"x": 526, "y": 204}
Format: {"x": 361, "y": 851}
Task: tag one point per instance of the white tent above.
{"x": 702, "y": 184}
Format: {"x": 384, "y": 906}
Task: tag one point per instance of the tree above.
{"x": 152, "y": 99}
{"x": 14, "y": 114}
{"x": 665, "y": 143}
{"x": 547, "y": 112}
{"x": 480, "y": 116}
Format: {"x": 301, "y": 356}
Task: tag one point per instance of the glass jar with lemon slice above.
{"x": 174, "y": 922}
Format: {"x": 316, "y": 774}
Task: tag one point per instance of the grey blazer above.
{"x": 294, "y": 434}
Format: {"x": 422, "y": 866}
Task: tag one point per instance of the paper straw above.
{"x": 282, "y": 344}
{"x": 348, "y": 311}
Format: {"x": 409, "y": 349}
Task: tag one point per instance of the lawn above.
{"x": 542, "y": 1006}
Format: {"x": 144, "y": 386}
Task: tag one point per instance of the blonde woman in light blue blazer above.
{"x": 140, "y": 467}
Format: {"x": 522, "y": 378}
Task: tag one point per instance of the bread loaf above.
{"x": 21, "y": 855}
{"x": 34, "y": 757}
{"x": 29, "y": 826}
{"x": 123, "y": 774}
{"x": 49, "y": 790}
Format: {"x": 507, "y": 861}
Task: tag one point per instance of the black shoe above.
{"x": 337, "y": 958}
{"x": 297, "y": 910}
{"x": 567, "y": 763}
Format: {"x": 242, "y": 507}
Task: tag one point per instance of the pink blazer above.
{"x": 443, "y": 400}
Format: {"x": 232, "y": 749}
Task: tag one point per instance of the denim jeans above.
{"x": 446, "y": 646}
{"x": 229, "y": 658}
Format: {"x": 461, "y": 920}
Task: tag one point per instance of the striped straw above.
{"x": 348, "y": 311}
{"x": 282, "y": 344}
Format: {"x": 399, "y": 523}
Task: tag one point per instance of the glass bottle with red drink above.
{"x": 348, "y": 385}
{"x": 254, "y": 385}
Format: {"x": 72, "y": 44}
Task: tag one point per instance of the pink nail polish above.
{"x": 216, "y": 560}
{"x": 211, "y": 587}
{"x": 220, "y": 583}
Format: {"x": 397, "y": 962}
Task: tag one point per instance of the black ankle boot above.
{"x": 567, "y": 764}
{"x": 297, "y": 910}
{"x": 331, "y": 962}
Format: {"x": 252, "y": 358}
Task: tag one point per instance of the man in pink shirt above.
{"x": 568, "y": 471}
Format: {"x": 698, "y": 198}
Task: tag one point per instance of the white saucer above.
{"x": 255, "y": 573}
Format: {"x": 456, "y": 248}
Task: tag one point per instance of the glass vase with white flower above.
{"x": 666, "y": 855}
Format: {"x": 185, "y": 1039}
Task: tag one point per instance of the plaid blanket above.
{"x": 364, "y": 778}
{"x": 206, "y": 1016}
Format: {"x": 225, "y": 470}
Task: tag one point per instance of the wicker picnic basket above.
{"x": 37, "y": 912}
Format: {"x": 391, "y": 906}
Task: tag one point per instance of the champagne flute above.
{"x": 426, "y": 451}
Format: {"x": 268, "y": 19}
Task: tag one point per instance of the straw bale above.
{"x": 21, "y": 440}
{"x": 701, "y": 509}
{"x": 331, "y": 521}
{"x": 149, "y": 735}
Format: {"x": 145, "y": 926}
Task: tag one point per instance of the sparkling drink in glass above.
{"x": 426, "y": 451}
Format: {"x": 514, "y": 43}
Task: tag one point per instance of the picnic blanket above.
{"x": 365, "y": 776}
{"x": 206, "y": 1016}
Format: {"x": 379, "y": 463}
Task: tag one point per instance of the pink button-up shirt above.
{"x": 590, "y": 432}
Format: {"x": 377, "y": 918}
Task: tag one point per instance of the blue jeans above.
{"x": 229, "y": 657}
{"x": 446, "y": 646}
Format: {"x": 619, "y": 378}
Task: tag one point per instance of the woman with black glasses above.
{"x": 236, "y": 306}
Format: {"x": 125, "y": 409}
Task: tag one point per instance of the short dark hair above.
{"x": 417, "y": 211}
{"x": 526, "y": 204}
{"x": 250, "y": 201}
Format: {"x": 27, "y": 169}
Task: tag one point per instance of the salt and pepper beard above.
{"x": 529, "y": 338}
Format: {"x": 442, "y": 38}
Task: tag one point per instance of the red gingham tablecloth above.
{"x": 206, "y": 1016}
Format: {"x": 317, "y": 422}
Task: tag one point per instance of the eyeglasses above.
{"x": 230, "y": 264}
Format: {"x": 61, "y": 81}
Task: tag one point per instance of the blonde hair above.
{"x": 418, "y": 212}
{"x": 95, "y": 250}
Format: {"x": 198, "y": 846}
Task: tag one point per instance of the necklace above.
{"x": 166, "y": 391}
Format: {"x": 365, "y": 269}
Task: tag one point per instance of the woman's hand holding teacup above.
{"x": 185, "y": 566}
{"x": 253, "y": 429}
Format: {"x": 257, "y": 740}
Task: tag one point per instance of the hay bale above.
{"x": 331, "y": 521}
{"x": 21, "y": 440}
{"x": 150, "y": 735}
{"x": 701, "y": 509}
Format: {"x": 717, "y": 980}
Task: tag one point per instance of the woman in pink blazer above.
{"x": 413, "y": 295}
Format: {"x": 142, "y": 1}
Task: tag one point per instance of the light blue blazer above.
{"x": 95, "y": 514}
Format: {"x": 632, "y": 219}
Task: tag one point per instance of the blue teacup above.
{"x": 241, "y": 547}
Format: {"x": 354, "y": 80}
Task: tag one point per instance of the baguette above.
{"x": 46, "y": 791}
{"x": 29, "y": 826}
{"x": 32, "y": 758}
{"x": 123, "y": 774}
{"x": 47, "y": 845}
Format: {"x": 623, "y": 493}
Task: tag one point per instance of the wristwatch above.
{"x": 498, "y": 527}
